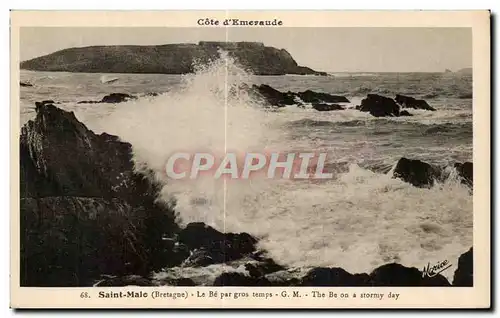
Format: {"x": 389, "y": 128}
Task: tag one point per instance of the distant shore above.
{"x": 168, "y": 59}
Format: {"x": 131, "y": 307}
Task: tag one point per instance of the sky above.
{"x": 324, "y": 49}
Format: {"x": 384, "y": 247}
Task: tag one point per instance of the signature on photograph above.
{"x": 431, "y": 271}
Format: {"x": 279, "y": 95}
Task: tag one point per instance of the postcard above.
{"x": 250, "y": 159}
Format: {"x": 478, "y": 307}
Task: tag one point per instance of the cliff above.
{"x": 167, "y": 59}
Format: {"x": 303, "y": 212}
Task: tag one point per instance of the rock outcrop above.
{"x": 379, "y": 106}
{"x": 464, "y": 274}
{"x": 410, "y": 102}
{"x": 418, "y": 173}
{"x": 25, "y": 84}
{"x": 465, "y": 171}
{"x": 167, "y": 59}
{"x": 423, "y": 175}
{"x": 309, "y": 96}
{"x": 112, "y": 98}
{"x": 273, "y": 97}
{"x": 211, "y": 246}
{"x": 320, "y": 101}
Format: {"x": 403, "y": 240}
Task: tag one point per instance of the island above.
{"x": 167, "y": 59}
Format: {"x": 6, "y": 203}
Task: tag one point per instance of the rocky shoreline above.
{"x": 88, "y": 218}
{"x": 375, "y": 105}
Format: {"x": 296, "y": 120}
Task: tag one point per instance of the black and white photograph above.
{"x": 263, "y": 156}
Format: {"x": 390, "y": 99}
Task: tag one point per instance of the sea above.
{"x": 359, "y": 219}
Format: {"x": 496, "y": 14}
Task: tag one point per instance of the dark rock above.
{"x": 84, "y": 208}
{"x": 466, "y": 96}
{"x": 404, "y": 113}
{"x": 239, "y": 279}
{"x": 130, "y": 280}
{"x": 112, "y": 98}
{"x": 398, "y": 275}
{"x": 117, "y": 98}
{"x": 465, "y": 171}
{"x": 410, "y": 102}
{"x": 418, "y": 173}
{"x": 25, "y": 84}
{"x": 464, "y": 274}
{"x": 326, "y": 107}
{"x": 60, "y": 156}
{"x": 309, "y": 96}
{"x": 274, "y": 97}
{"x": 171, "y": 253}
{"x": 88, "y": 102}
{"x": 69, "y": 241}
{"x": 214, "y": 245}
{"x": 379, "y": 106}
{"x": 198, "y": 234}
{"x": 167, "y": 59}
{"x": 322, "y": 276}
